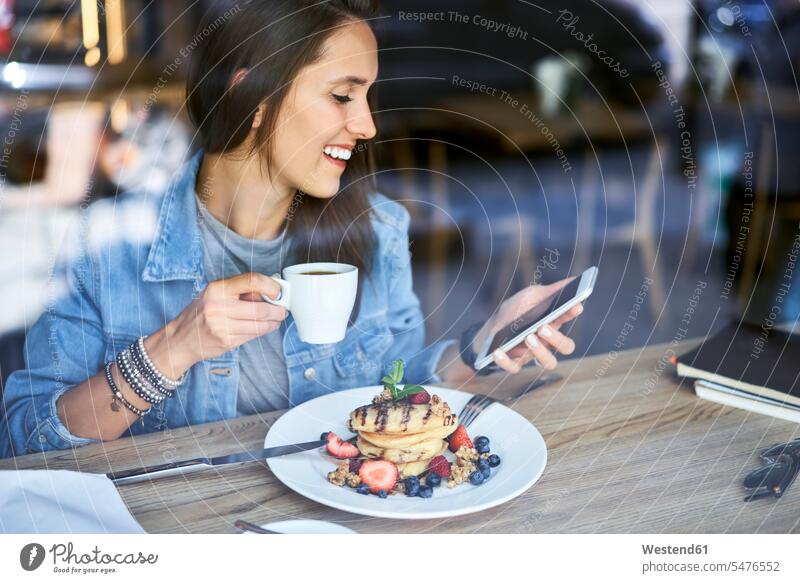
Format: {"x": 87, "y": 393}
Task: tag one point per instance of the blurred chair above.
{"x": 764, "y": 256}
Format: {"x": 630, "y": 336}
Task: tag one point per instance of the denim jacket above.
{"x": 130, "y": 268}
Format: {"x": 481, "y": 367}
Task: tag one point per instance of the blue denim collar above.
{"x": 177, "y": 250}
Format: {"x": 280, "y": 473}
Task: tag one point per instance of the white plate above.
{"x": 520, "y": 446}
{"x": 305, "y": 527}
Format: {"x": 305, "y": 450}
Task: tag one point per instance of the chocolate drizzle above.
{"x": 381, "y": 418}
{"x": 406, "y": 416}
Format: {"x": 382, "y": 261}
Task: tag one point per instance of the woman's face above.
{"x": 325, "y": 112}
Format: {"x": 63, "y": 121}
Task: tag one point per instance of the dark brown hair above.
{"x": 274, "y": 40}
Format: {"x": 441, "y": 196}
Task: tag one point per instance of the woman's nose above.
{"x": 361, "y": 124}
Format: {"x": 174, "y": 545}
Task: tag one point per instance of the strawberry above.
{"x": 378, "y": 475}
{"x": 458, "y": 438}
{"x": 440, "y": 465}
{"x": 419, "y": 398}
{"x": 341, "y": 449}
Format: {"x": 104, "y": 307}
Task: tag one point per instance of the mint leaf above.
{"x": 391, "y": 380}
{"x": 408, "y": 390}
{"x": 397, "y": 370}
{"x": 412, "y": 389}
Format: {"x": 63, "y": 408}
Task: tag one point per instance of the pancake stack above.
{"x": 403, "y": 433}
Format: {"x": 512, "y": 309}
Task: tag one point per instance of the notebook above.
{"x": 747, "y": 401}
{"x": 749, "y": 358}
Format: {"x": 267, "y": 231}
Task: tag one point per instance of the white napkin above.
{"x": 62, "y": 502}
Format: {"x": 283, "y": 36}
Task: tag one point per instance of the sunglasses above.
{"x": 782, "y": 466}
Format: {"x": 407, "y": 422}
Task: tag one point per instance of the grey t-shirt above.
{"x": 263, "y": 379}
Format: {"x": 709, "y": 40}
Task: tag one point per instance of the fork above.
{"x": 478, "y": 403}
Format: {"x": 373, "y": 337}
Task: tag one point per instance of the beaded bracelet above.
{"x": 143, "y": 370}
{"x": 149, "y": 363}
{"x": 118, "y": 396}
{"x": 145, "y": 383}
{"x": 135, "y": 381}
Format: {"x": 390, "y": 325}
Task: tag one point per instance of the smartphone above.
{"x": 542, "y": 313}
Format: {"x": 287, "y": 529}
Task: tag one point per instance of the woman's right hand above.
{"x": 227, "y": 314}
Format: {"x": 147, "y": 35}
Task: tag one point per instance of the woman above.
{"x": 164, "y": 326}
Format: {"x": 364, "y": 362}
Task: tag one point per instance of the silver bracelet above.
{"x": 130, "y": 375}
{"x": 149, "y": 363}
{"x": 148, "y": 375}
{"x": 139, "y": 380}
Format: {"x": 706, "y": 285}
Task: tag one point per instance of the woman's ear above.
{"x": 259, "y": 116}
{"x": 237, "y": 78}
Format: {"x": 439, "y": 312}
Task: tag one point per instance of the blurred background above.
{"x": 657, "y": 139}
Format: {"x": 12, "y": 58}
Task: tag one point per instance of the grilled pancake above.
{"x": 424, "y": 450}
{"x": 397, "y": 417}
{"x": 399, "y": 440}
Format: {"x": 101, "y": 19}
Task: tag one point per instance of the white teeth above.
{"x": 339, "y": 153}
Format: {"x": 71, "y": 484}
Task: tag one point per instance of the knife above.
{"x": 203, "y": 463}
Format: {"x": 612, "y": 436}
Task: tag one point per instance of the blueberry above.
{"x": 412, "y": 489}
{"x": 362, "y": 489}
{"x": 433, "y": 480}
{"x": 476, "y": 478}
{"x": 487, "y": 471}
{"x": 494, "y": 460}
{"x": 425, "y": 492}
{"x": 482, "y": 440}
{"x": 482, "y": 464}
{"x": 324, "y": 435}
{"x": 412, "y": 480}
{"x": 382, "y": 493}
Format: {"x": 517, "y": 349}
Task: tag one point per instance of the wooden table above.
{"x": 630, "y": 450}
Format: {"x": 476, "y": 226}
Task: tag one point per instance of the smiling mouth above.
{"x": 337, "y": 156}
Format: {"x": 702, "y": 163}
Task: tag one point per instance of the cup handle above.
{"x": 283, "y": 299}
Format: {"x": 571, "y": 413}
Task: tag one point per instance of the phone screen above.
{"x": 539, "y": 311}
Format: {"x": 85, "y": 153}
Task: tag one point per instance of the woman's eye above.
{"x": 341, "y": 98}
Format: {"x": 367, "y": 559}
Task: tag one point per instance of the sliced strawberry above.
{"x": 440, "y": 465}
{"x": 341, "y": 449}
{"x": 419, "y": 398}
{"x": 458, "y": 438}
{"x": 378, "y": 475}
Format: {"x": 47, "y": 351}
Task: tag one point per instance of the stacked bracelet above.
{"x": 118, "y": 396}
{"x": 143, "y": 370}
{"x": 135, "y": 379}
{"x": 165, "y": 381}
{"x": 139, "y": 372}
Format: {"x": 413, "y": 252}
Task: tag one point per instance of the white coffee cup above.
{"x": 320, "y": 297}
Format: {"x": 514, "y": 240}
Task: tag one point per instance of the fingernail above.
{"x": 546, "y": 331}
{"x": 499, "y": 353}
{"x": 531, "y": 340}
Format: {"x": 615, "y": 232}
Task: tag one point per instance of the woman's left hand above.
{"x": 539, "y": 345}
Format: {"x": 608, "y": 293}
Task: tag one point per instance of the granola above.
{"x": 342, "y": 475}
{"x": 384, "y": 397}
